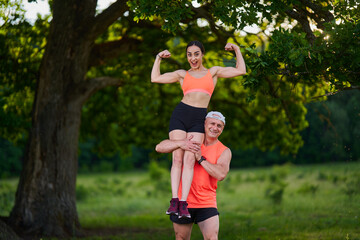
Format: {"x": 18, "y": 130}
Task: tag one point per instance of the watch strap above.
{"x": 202, "y": 159}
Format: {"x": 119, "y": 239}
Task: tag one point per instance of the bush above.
{"x": 308, "y": 188}
{"x": 160, "y": 177}
{"x": 322, "y": 176}
{"x": 156, "y": 171}
{"x": 81, "y": 193}
{"x": 276, "y": 188}
{"x": 279, "y": 173}
{"x": 352, "y": 187}
{"x": 7, "y": 198}
{"x": 10, "y": 159}
{"x": 104, "y": 167}
{"x": 275, "y": 192}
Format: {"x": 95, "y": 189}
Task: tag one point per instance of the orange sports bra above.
{"x": 192, "y": 84}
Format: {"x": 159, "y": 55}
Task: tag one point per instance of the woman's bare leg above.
{"x": 175, "y": 172}
{"x": 177, "y": 161}
{"x": 188, "y": 169}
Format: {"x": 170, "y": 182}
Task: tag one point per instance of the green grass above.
{"x": 302, "y": 202}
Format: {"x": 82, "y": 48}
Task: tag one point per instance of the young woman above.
{"x": 188, "y": 117}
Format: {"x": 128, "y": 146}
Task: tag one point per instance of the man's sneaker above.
{"x": 174, "y": 207}
{"x": 183, "y": 211}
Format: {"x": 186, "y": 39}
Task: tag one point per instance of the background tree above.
{"x": 87, "y": 52}
{"x": 47, "y": 181}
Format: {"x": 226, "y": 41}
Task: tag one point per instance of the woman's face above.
{"x": 194, "y": 57}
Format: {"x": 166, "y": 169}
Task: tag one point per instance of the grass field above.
{"x": 282, "y": 202}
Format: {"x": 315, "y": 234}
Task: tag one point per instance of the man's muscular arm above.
{"x": 222, "y": 166}
{"x": 167, "y": 146}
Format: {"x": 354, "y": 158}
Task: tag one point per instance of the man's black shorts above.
{"x": 197, "y": 215}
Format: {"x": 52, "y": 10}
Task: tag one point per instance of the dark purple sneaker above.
{"x": 183, "y": 211}
{"x": 174, "y": 207}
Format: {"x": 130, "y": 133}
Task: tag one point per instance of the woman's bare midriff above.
{"x": 197, "y": 99}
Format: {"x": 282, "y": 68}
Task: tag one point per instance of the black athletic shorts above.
{"x": 188, "y": 118}
{"x": 197, "y": 215}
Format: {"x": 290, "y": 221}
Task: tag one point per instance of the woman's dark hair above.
{"x": 198, "y": 44}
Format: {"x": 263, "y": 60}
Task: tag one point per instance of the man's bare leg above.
{"x": 210, "y": 228}
{"x": 182, "y": 231}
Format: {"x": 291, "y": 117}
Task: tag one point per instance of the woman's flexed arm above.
{"x": 170, "y": 77}
{"x": 229, "y": 72}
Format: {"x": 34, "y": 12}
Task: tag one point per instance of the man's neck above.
{"x": 210, "y": 141}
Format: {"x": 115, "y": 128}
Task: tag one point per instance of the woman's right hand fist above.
{"x": 164, "y": 54}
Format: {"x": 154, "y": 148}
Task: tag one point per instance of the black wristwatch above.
{"x": 202, "y": 159}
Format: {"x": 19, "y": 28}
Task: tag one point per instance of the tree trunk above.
{"x": 45, "y": 202}
{"x": 6, "y": 232}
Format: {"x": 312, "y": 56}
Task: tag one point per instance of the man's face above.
{"x": 213, "y": 127}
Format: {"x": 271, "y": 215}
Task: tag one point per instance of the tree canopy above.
{"x": 298, "y": 53}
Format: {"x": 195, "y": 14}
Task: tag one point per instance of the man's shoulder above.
{"x": 218, "y": 145}
{"x": 221, "y": 145}
{"x": 223, "y": 150}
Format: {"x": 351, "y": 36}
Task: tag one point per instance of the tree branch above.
{"x": 321, "y": 14}
{"x": 204, "y": 12}
{"x": 302, "y": 19}
{"x": 102, "y": 21}
{"x": 283, "y": 103}
{"x": 235, "y": 103}
{"x": 108, "y": 50}
{"x": 82, "y": 91}
{"x": 340, "y": 90}
{"x": 101, "y": 82}
{"x": 95, "y": 84}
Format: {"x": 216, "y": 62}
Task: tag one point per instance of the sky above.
{"x": 32, "y": 9}
{"x": 42, "y": 7}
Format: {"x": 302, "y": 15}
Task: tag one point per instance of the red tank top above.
{"x": 192, "y": 84}
{"x": 203, "y": 187}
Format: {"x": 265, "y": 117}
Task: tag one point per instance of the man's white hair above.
{"x": 216, "y": 115}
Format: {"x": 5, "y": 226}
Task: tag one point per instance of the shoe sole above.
{"x": 172, "y": 213}
{"x": 185, "y": 216}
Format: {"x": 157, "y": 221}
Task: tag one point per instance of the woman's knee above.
{"x": 189, "y": 160}
{"x": 177, "y": 161}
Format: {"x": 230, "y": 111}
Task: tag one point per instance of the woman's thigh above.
{"x": 177, "y": 134}
{"x": 197, "y": 137}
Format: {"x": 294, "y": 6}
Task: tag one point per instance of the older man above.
{"x": 213, "y": 163}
